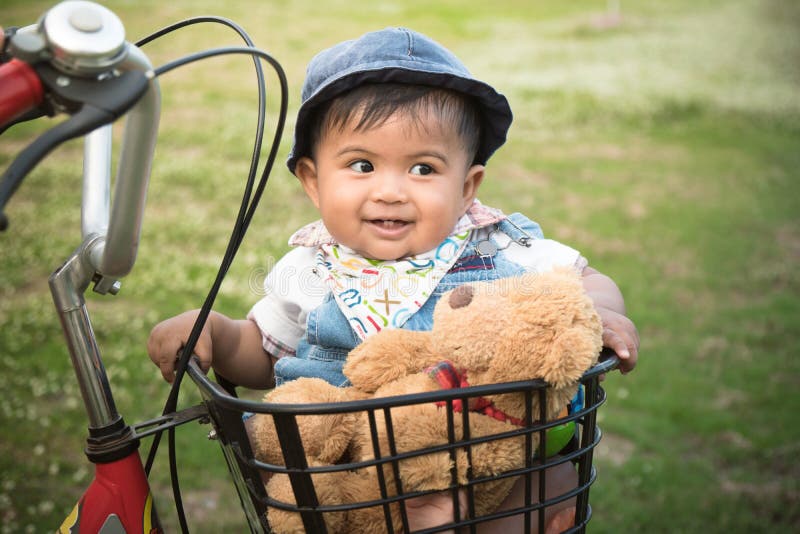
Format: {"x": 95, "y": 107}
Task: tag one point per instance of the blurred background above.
{"x": 662, "y": 139}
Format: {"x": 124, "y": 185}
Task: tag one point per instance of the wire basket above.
{"x": 226, "y": 412}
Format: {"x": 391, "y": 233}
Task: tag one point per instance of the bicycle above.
{"x": 62, "y": 65}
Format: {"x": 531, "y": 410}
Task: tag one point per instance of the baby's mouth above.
{"x": 389, "y": 224}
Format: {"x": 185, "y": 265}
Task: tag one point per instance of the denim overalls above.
{"x": 329, "y": 337}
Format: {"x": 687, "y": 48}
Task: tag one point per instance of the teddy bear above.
{"x": 531, "y": 326}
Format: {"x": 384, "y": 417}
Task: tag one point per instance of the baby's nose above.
{"x": 389, "y": 187}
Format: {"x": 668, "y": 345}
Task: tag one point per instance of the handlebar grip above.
{"x": 20, "y": 90}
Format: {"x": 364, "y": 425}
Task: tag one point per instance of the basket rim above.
{"x": 608, "y": 362}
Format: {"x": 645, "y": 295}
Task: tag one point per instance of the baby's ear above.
{"x": 306, "y": 172}
{"x": 471, "y": 184}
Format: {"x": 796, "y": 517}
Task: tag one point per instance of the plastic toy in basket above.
{"x": 537, "y": 326}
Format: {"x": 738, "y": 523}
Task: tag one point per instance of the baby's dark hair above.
{"x": 374, "y": 103}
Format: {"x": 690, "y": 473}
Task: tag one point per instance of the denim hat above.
{"x": 396, "y": 55}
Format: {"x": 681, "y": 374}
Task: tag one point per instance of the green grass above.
{"x": 665, "y": 146}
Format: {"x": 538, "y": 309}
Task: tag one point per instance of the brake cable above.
{"x": 247, "y": 209}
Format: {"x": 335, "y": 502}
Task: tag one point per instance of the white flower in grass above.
{"x": 38, "y": 387}
{"x": 80, "y": 474}
{"x": 46, "y": 507}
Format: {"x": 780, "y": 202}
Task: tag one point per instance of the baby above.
{"x": 391, "y": 142}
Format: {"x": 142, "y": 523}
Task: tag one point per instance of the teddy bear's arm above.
{"x": 388, "y": 356}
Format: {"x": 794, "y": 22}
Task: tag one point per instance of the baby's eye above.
{"x": 421, "y": 169}
{"x": 362, "y": 165}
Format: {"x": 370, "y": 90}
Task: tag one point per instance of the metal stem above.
{"x": 67, "y": 285}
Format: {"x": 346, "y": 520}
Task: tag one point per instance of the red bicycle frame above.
{"x": 120, "y": 486}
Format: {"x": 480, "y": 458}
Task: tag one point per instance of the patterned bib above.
{"x": 378, "y": 294}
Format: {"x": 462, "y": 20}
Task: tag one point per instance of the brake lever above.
{"x": 92, "y": 102}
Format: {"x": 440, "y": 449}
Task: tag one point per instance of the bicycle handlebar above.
{"x": 133, "y": 174}
{"x": 76, "y": 60}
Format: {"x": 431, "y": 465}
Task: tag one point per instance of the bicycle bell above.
{"x": 83, "y": 38}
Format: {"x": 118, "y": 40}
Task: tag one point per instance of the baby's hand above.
{"x": 621, "y": 336}
{"x": 168, "y": 338}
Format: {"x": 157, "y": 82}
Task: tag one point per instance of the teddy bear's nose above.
{"x": 461, "y": 296}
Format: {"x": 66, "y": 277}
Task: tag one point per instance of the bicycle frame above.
{"x": 119, "y": 496}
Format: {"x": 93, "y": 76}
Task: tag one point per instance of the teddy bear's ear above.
{"x": 460, "y": 296}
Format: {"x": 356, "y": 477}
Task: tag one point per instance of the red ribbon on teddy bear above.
{"x": 448, "y": 377}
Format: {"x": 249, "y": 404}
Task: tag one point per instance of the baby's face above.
{"x": 393, "y": 191}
